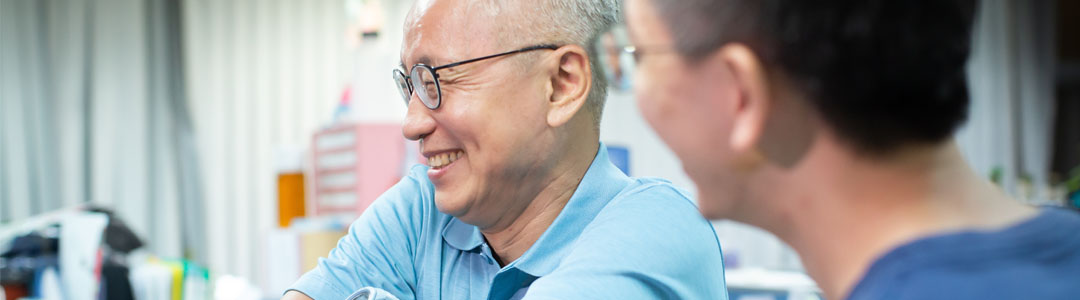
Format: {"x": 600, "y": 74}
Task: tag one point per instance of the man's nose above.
{"x": 418, "y": 120}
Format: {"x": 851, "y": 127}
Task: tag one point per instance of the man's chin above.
{"x": 449, "y": 203}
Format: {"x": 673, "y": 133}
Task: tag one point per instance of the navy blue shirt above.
{"x": 1035, "y": 259}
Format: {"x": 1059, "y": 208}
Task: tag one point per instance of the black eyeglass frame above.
{"x": 435, "y": 75}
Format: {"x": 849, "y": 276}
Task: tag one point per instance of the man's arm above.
{"x": 377, "y": 251}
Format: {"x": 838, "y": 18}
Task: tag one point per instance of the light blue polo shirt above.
{"x": 617, "y": 238}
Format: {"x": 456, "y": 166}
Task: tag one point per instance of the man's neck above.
{"x": 510, "y": 242}
{"x": 848, "y": 212}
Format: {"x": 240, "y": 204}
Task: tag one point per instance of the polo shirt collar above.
{"x": 462, "y": 236}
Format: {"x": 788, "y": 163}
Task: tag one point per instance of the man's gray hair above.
{"x": 568, "y": 22}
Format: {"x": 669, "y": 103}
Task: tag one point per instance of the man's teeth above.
{"x": 441, "y": 160}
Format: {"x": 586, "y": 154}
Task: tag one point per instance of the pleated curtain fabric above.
{"x": 93, "y": 111}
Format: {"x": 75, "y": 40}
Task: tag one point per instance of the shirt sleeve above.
{"x": 377, "y": 251}
{"x": 654, "y": 245}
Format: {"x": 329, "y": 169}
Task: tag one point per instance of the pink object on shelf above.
{"x": 354, "y": 164}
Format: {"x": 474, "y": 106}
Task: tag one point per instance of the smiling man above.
{"x": 519, "y": 198}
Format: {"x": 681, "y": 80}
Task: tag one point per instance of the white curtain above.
{"x": 261, "y": 74}
{"x": 92, "y": 112}
{"x": 1011, "y": 80}
{"x": 263, "y": 77}
{"x": 42, "y": 64}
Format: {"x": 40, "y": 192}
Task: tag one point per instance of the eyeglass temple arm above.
{"x": 526, "y": 49}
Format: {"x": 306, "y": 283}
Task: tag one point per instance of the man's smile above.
{"x": 441, "y": 160}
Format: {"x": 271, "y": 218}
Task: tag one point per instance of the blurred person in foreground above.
{"x": 519, "y": 198}
{"x": 830, "y": 124}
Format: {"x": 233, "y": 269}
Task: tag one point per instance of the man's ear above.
{"x": 571, "y": 80}
{"x": 751, "y": 107}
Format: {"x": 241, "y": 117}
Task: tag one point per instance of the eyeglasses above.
{"x": 426, "y": 76}
{"x": 618, "y": 59}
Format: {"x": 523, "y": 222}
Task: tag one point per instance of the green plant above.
{"x": 1072, "y": 183}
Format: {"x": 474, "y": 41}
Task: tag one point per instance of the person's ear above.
{"x": 571, "y": 79}
{"x": 752, "y": 104}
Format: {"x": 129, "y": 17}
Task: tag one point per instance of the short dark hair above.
{"x": 882, "y": 73}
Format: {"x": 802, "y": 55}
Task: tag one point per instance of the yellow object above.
{"x": 316, "y": 244}
{"x": 177, "y": 277}
{"x": 290, "y": 197}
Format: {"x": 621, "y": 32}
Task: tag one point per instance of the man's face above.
{"x": 684, "y": 101}
{"x": 490, "y": 125}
